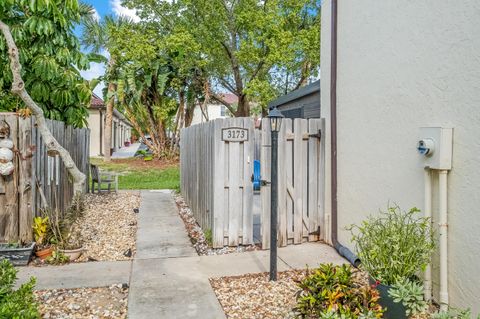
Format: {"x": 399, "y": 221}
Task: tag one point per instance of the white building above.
{"x": 214, "y": 110}
{"x": 121, "y": 128}
{"x": 402, "y": 65}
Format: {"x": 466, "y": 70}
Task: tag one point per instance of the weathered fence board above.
{"x": 300, "y": 182}
{"x": 34, "y": 168}
{"x": 215, "y": 180}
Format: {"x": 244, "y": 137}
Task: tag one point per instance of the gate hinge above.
{"x": 317, "y": 135}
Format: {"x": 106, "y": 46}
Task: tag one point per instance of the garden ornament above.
{"x": 6, "y": 150}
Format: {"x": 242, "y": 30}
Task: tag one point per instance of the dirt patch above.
{"x": 139, "y": 163}
{"x": 107, "y": 302}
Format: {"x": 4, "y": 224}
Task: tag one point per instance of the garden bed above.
{"x": 109, "y": 226}
{"x": 106, "y": 302}
{"x": 200, "y": 240}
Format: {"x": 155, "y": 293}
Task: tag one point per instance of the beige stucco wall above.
{"x": 403, "y": 65}
{"x": 214, "y": 112}
{"x": 94, "y": 126}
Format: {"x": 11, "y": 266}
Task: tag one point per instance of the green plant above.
{"x": 410, "y": 294}
{"x": 40, "y": 229}
{"x": 331, "y": 292}
{"x": 18, "y": 303}
{"x": 394, "y": 245}
{"x": 454, "y": 314}
{"x": 208, "y": 236}
{"x": 58, "y": 258}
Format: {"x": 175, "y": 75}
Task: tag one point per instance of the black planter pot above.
{"x": 18, "y": 256}
{"x": 393, "y": 310}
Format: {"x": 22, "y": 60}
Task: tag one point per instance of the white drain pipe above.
{"x": 443, "y": 231}
{"x": 427, "y": 284}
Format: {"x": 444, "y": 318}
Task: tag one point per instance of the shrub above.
{"x": 395, "y": 245}
{"x": 331, "y": 292}
{"x": 16, "y": 304}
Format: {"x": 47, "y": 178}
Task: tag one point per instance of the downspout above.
{"x": 101, "y": 132}
{"x": 342, "y": 250}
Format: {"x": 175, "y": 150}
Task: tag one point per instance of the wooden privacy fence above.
{"x": 300, "y": 181}
{"x": 19, "y": 195}
{"x": 216, "y": 160}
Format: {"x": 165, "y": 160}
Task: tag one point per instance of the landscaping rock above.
{"x": 98, "y": 303}
{"x": 109, "y": 226}
{"x": 197, "y": 236}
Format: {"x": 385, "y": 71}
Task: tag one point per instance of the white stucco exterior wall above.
{"x": 403, "y": 65}
{"x": 214, "y": 111}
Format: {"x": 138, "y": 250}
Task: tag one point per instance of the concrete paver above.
{"x": 81, "y": 275}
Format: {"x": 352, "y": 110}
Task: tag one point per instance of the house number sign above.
{"x": 234, "y": 134}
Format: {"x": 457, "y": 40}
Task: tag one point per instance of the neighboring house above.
{"x": 121, "y": 127}
{"x": 402, "y": 65}
{"x": 214, "y": 109}
{"x": 301, "y": 103}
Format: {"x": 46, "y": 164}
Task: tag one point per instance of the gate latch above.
{"x": 317, "y": 135}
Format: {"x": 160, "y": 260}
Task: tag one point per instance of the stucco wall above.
{"x": 403, "y": 65}
{"x": 94, "y": 126}
{"x": 214, "y": 111}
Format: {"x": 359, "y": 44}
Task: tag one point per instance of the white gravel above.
{"x": 83, "y": 303}
{"x": 109, "y": 226}
{"x": 197, "y": 235}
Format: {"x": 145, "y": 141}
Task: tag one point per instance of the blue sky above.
{"x": 104, "y": 7}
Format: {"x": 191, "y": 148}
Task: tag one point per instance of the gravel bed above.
{"x": 91, "y": 303}
{"x": 197, "y": 236}
{"x": 254, "y": 296}
{"x": 109, "y": 226}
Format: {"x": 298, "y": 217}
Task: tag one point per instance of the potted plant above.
{"x": 41, "y": 230}
{"x": 394, "y": 247}
{"x": 72, "y": 246}
{"x": 17, "y": 253}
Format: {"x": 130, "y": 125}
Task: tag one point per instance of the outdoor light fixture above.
{"x": 275, "y": 117}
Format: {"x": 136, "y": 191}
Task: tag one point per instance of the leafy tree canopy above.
{"x": 254, "y": 49}
{"x": 50, "y": 55}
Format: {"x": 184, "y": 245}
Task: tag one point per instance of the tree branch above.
{"x": 18, "y": 88}
{"x": 219, "y": 99}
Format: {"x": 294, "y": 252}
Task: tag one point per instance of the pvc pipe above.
{"x": 427, "y": 284}
{"x": 443, "y": 231}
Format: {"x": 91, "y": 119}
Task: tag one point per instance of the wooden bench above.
{"x": 100, "y": 178}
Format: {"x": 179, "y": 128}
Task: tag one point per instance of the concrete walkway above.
{"x": 88, "y": 275}
{"x": 126, "y": 151}
{"x": 167, "y": 278}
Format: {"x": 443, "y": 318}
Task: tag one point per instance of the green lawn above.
{"x": 137, "y": 174}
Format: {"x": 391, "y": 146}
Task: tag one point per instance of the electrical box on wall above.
{"x": 435, "y": 144}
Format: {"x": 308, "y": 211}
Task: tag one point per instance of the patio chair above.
{"x": 102, "y": 177}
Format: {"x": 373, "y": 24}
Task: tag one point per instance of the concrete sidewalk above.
{"x": 126, "y": 151}
{"x": 81, "y": 275}
{"x": 169, "y": 280}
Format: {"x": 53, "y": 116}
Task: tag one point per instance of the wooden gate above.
{"x": 216, "y": 160}
{"x": 300, "y": 179}
{"x": 34, "y": 169}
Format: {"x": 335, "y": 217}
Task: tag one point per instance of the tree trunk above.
{"x": 243, "y": 109}
{"x": 108, "y": 124}
{"x": 18, "y": 88}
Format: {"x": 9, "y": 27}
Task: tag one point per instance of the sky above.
{"x": 103, "y": 8}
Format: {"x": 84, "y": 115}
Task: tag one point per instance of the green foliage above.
{"x": 257, "y": 49}
{"x": 57, "y": 258}
{"x": 454, "y": 314}
{"x": 330, "y": 292}
{"x": 395, "y": 245}
{"x": 50, "y": 56}
{"x": 410, "y": 294}
{"x": 16, "y": 304}
{"x": 208, "y": 236}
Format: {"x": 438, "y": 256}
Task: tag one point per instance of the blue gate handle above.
{"x": 256, "y": 175}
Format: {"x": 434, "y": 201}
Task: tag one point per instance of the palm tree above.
{"x": 97, "y": 36}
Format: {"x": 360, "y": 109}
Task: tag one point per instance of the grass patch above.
{"x": 137, "y": 174}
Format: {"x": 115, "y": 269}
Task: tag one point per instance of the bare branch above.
{"x": 18, "y": 88}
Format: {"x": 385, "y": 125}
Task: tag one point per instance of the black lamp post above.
{"x": 275, "y": 117}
